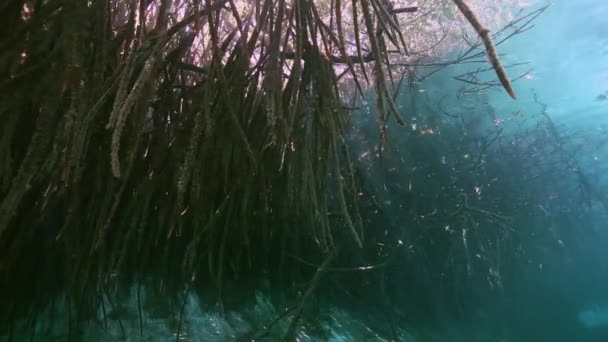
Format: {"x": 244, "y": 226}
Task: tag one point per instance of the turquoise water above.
{"x": 553, "y": 284}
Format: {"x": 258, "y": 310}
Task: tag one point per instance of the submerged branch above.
{"x": 484, "y": 33}
{"x": 314, "y": 282}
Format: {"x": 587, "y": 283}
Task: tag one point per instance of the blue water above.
{"x": 559, "y": 293}
{"x": 568, "y": 51}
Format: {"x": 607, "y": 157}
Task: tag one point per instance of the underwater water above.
{"x": 202, "y": 321}
{"x": 569, "y": 50}
{"x": 558, "y": 290}
{"x": 560, "y": 295}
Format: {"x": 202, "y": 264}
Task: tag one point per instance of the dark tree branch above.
{"x": 405, "y": 10}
